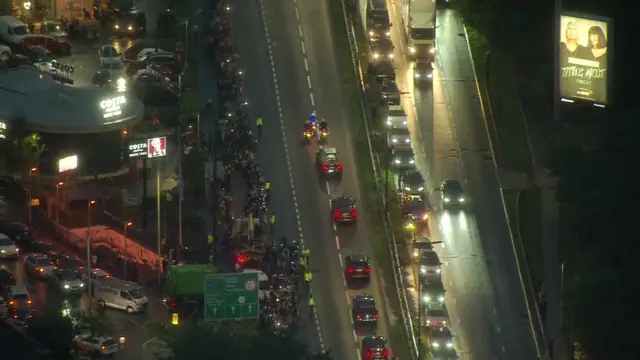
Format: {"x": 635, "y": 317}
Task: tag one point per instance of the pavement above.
{"x": 294, "y": 41}
{"x": 484, "y": 295}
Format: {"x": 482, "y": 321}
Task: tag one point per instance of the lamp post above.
{"x": 126, "y": 244}
{"x": 30, "y": 205}
{"x": 88, "y": 246}
{"x": 58, "y": 202}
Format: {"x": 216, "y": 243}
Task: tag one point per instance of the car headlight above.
{"x": 389, "y": 121}
{"x": 412, "y": 50}
{"x": 116, "y": 26}
{"x": 449, "y": 345}
{"x": 416, "y": 252}
{"x": 390, "y": 56}
{"x": 130, "y": 28}
{"x": 416, "y": 75}
{"x": 376, "y": 55}
{"x": 371, "y": 33}
{"x": 432, "y": 50}
{"x": 426, "y": 298}
{"x": 394, "y": 140}
{"x": 81, "y": 285}
{"x": 435, "y": 345}
{"x": 461, "y": 199}
{"x": 66, "y": 286}
{"x": 447, "y": 199}
{"x": 407, "y": 140}
{"x": 404, "y": 122}
{"x": 430, "y": 75}
{"x": 421, "y": 188}
{"x": 397, "y": 161}
{"x": 441, "y": 299}
{"x": 423, "y": 270}
{"x": 388, "y": 33}
{"x": 425, "y": 217}
{"x": 3, "y": 251}
{"x": 384, "y": 96}
{"x": 406, "y": 188}
{"x": 412, "y": 161}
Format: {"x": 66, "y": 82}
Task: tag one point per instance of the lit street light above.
{"x": 126, "y": 243}
{"x": 58, "y": 202}
{"x": 88, "y": 245}
{"x": 31, "y": 171}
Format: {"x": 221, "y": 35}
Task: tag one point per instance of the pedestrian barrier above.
{"x": 392, "y": 243}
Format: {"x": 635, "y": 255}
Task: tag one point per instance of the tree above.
{"x": 201, "y": 342}
{"x": 25, "y": 148}
{"x": 52, "y": 330}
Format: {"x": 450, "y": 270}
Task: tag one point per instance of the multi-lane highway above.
{"x": 289, "y": 55}
{"x": 484, "y": 294}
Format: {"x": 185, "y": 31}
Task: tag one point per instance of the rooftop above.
{"x": 52, "y": 107}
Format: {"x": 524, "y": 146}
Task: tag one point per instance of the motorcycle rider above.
{"x": 308, "y": 129}
{"x": 323, "y": 126}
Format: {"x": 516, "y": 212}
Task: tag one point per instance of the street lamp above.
{"x": 126, "y": 243}
{"x": 31, "y": 171}
{"x": 88, "y": 246}
{"x": 58, "y": 202}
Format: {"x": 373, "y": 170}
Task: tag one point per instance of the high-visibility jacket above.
{"x": 267, "y": 186}
{"x": 210, "y": 239}
{"x": 272, "y": 219}
{"x": 303, "y": 262}
{"x": 307, "y": 276}
{"x": 259, "y": 121}
{"x": 311, "y": 301}
{"x": 306, "y": 252}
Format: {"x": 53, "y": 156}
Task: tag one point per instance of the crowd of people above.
{"x": 281, "y": 261}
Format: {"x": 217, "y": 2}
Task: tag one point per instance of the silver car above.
{"x": 68, "y": 281}
{"x": 39, "y": 265}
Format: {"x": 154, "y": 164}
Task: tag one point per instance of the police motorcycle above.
{"x": 323, "y": 131}
{"x": 310, "y": 126}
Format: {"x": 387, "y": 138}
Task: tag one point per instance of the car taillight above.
{"x": 173, "y": 304}
{"x": 337, "y": 214}
{"x": 368, "y": 270}
{"x": 357, "y": 316}
{"x": 241, "y": 259}
{"x": 29, "y": 302}
{"x": 340, "y": 166}
{"x": 385, "y": 353}
{"x": 354, "y": 213}
{"x": 376, "y": 315}
{"x": 350, "y": 270}
{"x": 369, "y": 354}
{"x": 325, "y": 167}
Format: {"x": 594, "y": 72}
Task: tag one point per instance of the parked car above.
{"x": 56, "y": 46}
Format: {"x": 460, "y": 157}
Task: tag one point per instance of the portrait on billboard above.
{"x": 583, "y": 58}
{"x": 157, "y": 147}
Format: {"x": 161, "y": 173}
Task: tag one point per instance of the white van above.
{"x": 121, "y": 295}
{"x": 12, "y": 30}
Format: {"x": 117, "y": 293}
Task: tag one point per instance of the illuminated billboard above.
{"x": 67, "y": 164}
{"x": 584, "y": 58}
{"x": 156, "y": 147}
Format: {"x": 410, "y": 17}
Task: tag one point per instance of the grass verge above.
{"x": 496, "y": 80}
{"x": 371, "y": 198}
{"x": 530, "y": 230}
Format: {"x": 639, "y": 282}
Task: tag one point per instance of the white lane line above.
{"x": 306, "y": 65}
{"x": 338, "y": 243}
{"x": 355, "y": 336}
{"x": 313, "y": 101}
{"x": 341, "y": 263}
{"x": 286, "y": 150}
{"x": 309, "y": 81}
{"x": 304, "y": 50}
{"x": 359, "y": 353}
{"x": 299, "y": 28}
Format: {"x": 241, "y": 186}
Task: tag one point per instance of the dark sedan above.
{"x": 364, "y": 309}
{"x": 357, "y": 266}
{"x": 389, "y": 92}
{"x": 344, "y": 209}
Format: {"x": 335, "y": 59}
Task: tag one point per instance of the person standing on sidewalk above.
{"x": 259, "y": 124}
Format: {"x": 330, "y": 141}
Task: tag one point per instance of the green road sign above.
{"x": 231, "y": 296}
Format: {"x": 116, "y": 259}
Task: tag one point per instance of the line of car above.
{"x": 412, "y": 193}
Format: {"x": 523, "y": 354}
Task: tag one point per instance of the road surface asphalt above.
{"x": 484, "y": 294}
{"x": 297, "y": 46}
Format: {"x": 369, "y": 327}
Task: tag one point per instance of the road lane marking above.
{"x": 300, "y": 30}
{"x": 355, "y": 336}
{"x": 286, "y": 151}
{"x": 338, "y": 245}
{"x": 304, "y": 50}
{"x": 313, "y": 101}
{"x": 309, "y": 81}
{"x": 306, "y": 65}
{"x": 340, "y": 260}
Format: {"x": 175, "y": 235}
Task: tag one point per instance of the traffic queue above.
{"x": 433, "y": 318}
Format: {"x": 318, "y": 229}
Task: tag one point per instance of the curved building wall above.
{"x": 97, "y": 153}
